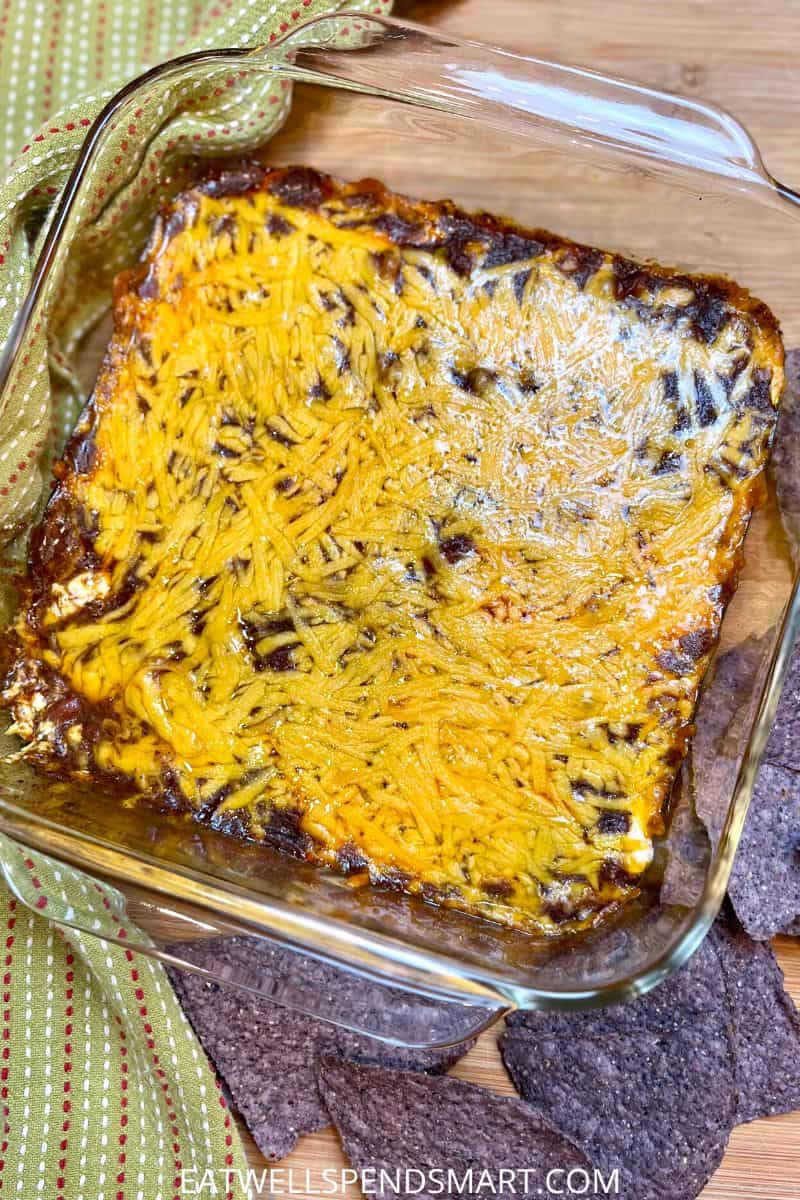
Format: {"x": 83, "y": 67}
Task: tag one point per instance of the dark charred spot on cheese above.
{"x": 696, "y": 643}
{"x": 709, "y": 314}
{"x": 197, "y": 621}
{"x": 62, "y": 546}
{"x": 759, "y": 397}
{"x": 459, "y": 238}
{"x": 510, "y": 247}
{"x": 350, "y": 859}
{"x": 236, "y": 822}
{"x": 559, "y": 911}
{"x": 348, "y": 319}
{"x": 586, "y": 790}
{"x": 171, "y": 793}
{"x": 280, "y": 659}
{"x": 613, "y": 822}
{"x": 342, "y": 356}
{"x": 673, "y": 663}
{"x": 614, "y": 874}
{"x": 671, "y": 387}
{"x": 386, "y": 360}
{"x": 579, "y": 263}
{"x": 704, "y": 401}
{"x": 224, "y": 225}
{"x": 283, "y": 830}
{"x": 235, "y": 181}
{"x": 278, "y": 226}
{"x": 672, "y": 395}
{"x": 394, "y": 880}
{"x": 708, "y": 310}
{"x": 460, "y": 257}
{"x": 225, "y": 451}
{"x": 115, "y": 600}
{"x": 210, "y": 806}
{"x": 631, "y": 280}
{"x": 668, "y": 464}
{"x": 280, "y": 437}
{"x": 398, "y": 229}
{"x": 501, "y": 888}
{"x": 457, "y": 547}
{"x": 300, "y": 187}
{"x": 520, "y": 282}
{"x": 318, "y": 391}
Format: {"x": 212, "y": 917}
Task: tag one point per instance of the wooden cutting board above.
{"x": 744, "y": 57}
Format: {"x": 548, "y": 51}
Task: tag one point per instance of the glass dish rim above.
{"x": 271, "y": 915}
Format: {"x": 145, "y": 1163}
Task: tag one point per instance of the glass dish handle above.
{"x": 339, "y": 996}
{"x": 102, "y": 912}
{"x": 550, "y": 102}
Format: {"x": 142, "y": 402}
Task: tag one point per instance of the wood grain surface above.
{"x": 747, "y": 58}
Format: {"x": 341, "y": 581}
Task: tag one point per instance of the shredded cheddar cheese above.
{"x": 400, "y": 537}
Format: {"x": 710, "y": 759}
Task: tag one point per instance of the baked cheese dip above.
{"x": 398, "y": 538}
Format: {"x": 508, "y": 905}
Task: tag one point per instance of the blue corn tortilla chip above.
{"x": 725, "y": 711}
{"x": 764, "y": 886}
{"x": 647, "y": 1087}
{"x": 765, "y": 882}
{"x": 687, "y": 848}
{"x": 416, "y": 1129}
{"x": 265, "y": 1053}
{"x": 765, "y": 1024}
{"x": 783, "y": 747}
{"x": 785, "y": 462}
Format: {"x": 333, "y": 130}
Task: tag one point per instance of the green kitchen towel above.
{"x": 104, "y": 1091}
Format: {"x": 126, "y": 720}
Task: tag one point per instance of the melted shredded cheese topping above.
{"x": 430, "y": 559}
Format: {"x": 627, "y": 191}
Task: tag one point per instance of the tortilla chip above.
{"x": 724, "y": 714}
{"x": 687, "y": 848}
{"x": 397, "y": 1121}
{"x": 765, "y": 881}
{"x": 646, "y": 1086}
{"x": 266, "y": 1053}
{"x": 785, "y": 460}
{"x": 783, "y": 747}
{"x": 766, "y": 1026}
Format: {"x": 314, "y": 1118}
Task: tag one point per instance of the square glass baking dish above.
{"x": 595, "y": 159}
